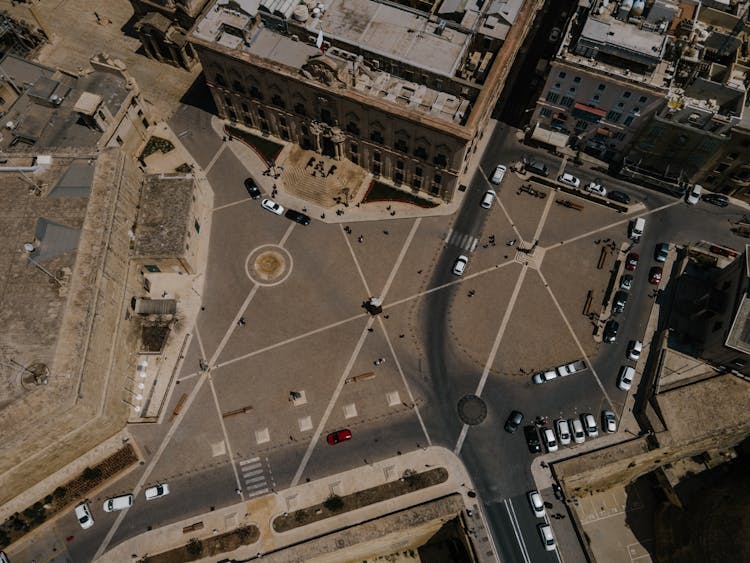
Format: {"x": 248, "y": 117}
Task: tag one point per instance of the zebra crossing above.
{"x": 254, "y": 477}
{"x": 461, "y": 240}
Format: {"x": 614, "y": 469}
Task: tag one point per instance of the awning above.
{"x": 589, "y": 109}
{"x": 549, "y": 137}
{"x": 603, "y": 131}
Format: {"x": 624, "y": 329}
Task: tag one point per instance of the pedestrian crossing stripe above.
{"x": 462, "y": 240}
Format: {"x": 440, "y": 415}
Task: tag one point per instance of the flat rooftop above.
{"x": 365, "y": 25}
{"x": 166, "y": 201}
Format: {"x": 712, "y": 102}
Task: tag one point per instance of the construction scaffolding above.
{"x": 18, "y": 37}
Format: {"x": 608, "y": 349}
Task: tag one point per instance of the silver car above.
{"x": 563, "y": 431}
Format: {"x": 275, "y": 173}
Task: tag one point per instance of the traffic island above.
{"x": 336, "y": 505}
{"x": 198, "y": 549}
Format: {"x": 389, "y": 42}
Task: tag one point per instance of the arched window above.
{"x": 219, "y": 79}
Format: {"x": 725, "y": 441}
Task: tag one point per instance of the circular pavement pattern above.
{"x": 268, "y": 265}
{"x": 472, "y": 410}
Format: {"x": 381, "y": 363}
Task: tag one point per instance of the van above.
{"x": 118, "y": 503}
{"x": 535, "y": 167}
{"x": 636, "y": 229}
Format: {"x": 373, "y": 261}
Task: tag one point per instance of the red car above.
{"x": 631, "y": 262}
{"x": 654, "y": 276}
{"x": 339, "y": 436}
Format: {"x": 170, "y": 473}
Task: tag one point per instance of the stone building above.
{"x": 162, "y": 28}
{"x": 401, "y": 93}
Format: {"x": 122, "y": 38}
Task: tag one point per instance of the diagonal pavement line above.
{"x": 286, "y": 235}
{"x": 292, "y": 339}
{"x": 356, "y": 262}
{"x": 231, "y": 204}
{"x": 575, "y": 338}
{"x": 352, "y": 358}
{"x": 615, "y": 224}
{"x": 406, "y": 383}
{"x": 230, "y": 331}
{"x": 226, "y": 436}
{"x": 200, "y": 342}
{"x": 152, "y": 464}
{"x": 493, "y": 351}
{"x": 543, "y": 218}
{"x": 210, "y": 165}
{"x": 519, "y": 238}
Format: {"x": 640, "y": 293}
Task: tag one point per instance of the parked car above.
{"x": 514, "y": 420}
{"x": 157, "y": 491}
{"x": 498, "y": 174}
{"x": 661, "y": 252}
{"x": 609, "y": 422}
{"x": 488, "y": 198}
{"x": 118, "y": 503}
{"x": 634, "y": 350}
{"x": 619, "y": 302}
{"x": 716, "y": 199}
{"x": 631, "y": 262}
{"x": 536, "y": 167}
{"x": 589, "y": 425}
{"x": 252, "y": 188}
{"x": 536, "y": 502}
{"x": 569, "y": 179}
{"x": 4, "y": 557}
{"x": 625, "y": 379}
{"x": 544, "y": 376}
{"x": 571, "y": 368}
{"x": 618, "y": 196}
{"x": 532, "y": 438}
{"x": 549, "y": 440}
{"x": 84, "y": 515}
{"x": 610, "y": 330}
{"x": 626, "y": 282}
{"x": 272, "y": 206}
{"x": 563, "y": 431}
{"x": 654, "y": 275}
{"x": 596, "y": 188}
{"x": 579, "y": 437}
{"x": 339, "y": 436}
{"x": 297, "y": 217}
{"x": 545, "y": 531}
{"x": 459, "y": 266}
{"x": 694, "y": 195}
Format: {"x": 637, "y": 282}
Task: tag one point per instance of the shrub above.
{"x": 92, "y": 474}
{"x": 194, "y": 547}
{"x": 334, "y": 503}
{"x": 59, "y": 492}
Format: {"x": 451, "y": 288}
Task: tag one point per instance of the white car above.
{"x": 498, "y": 175}
{"x": 569, "y": 179}
{"x": 547, "y": 538}
{"x": 118, "y": 503}
{"x": 634, "y": 350}
{"x": 597, "y": 189}
{"x": 157, "y": 491}
{"x": 84, "y": 515}
{"x": 694, "y": 195}
{"x": 488, "y": 198}
{"x": 537, "y": 504}
{"x": 272, "y": 206}
{"x": 563, "y": 431}
{"x": 589, "y": 424}
{"x": 459, "y": 267}
{"x": 577, "y": 430}
{"x": 609, "y": 422}
{"x": 625, "y": 379}
{"x": 544, "y": 376}
{"x": 549, "y": 440}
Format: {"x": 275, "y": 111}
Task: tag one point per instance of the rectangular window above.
{"x": 418, "y": 171}
{"x": 153, "y": 268}
{"x": 614, "y": 116}
{"x": 577, "y": 79}
{"x": 619, "y": 136}
{"x": 545, "y": 112}
{"x": 642, "y": 99}
{"x": 561, "y": 75}
{"x": 628, "y": 120}
{"x": 566, "y": 101}
{"x": 582, "y": 125}
{"x": 376, "y": 156}
{"x": 601, "y": 87}
{"x": 721, "y": 167}
{"x": 552, "y": 97}
{"x": 626, "y": 95}
{"x": 353, "y": 148}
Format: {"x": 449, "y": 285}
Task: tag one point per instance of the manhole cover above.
{"x": 472, "y": 410}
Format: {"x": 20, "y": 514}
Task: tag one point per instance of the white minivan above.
{"x": 118, "y": 503}
{"x": 636, "y": 229}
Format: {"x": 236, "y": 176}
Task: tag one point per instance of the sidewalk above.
{"x": 373, "y": 211}
{"x": 261, "y": 511}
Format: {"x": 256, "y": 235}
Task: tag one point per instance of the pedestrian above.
{"x": 304, "y": 209}
{"x": 419, "y": 271}
{"x": 241, "y": 322}
{"x": 385, "y": 231}
{"x": 322, "y": 215}
{"x": 401, "y": 335}
{"x": 370, "y": 329}
{"x": 393, "y": 213}
{"x": 386, "y": 316}
{"x": 361, "y": 238}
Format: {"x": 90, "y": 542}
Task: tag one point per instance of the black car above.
{"x": 515, "y": 419}
{"x": 621, "y": 298}
{"x": 300, "y": 218}
{"x": 620, "y": 197}
{"x": 532, "y": 438}
{"x": 252, "y": 188}
{"x": 610, "y": 330}
{"x": 717, "y": 199}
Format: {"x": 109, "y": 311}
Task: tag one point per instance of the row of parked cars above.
{"x": 563, "y": 432}
{"x": 560, "y": 371}
{"x": 545, "y": 530}
{"x": 86, "y": 520}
